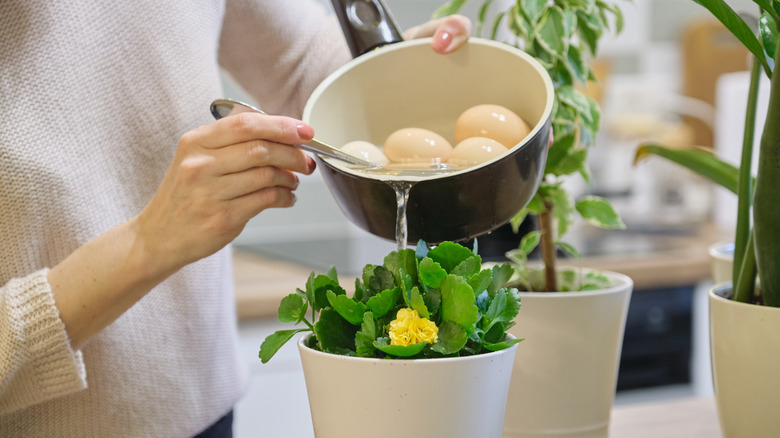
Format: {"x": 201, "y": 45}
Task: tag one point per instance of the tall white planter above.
{"x": 352, "y": 397}
{"x": 745, "y": 351}
{"x": 565, "y": 371}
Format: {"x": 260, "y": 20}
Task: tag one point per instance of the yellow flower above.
{"x": 408, "y": 328}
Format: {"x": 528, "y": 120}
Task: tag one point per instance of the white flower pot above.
{"x": 565, "y": 371}
{"x": 356, "y": 397}
{"x": 722, "y": 256}
{"x": 745, "y": 352}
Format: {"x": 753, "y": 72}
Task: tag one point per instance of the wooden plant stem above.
{"x": 548, "y": 248}
{"x": 766, "y": 208}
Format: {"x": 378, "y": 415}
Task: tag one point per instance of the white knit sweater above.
{"x": 95, "y": 94}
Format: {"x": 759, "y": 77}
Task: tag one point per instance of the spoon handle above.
{"x": 223, "y": 107}
{"x": 319, "y": 148}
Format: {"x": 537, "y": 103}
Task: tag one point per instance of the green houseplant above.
{"x": 563, "y": 35}
{"x": 419, "y": 348}
{"x": 565, "y": 374}
{"x": 744, "y": 318}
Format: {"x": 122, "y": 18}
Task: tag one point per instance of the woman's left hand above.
{"x": 449, "y": 33}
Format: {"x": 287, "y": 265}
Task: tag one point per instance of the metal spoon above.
{"x": 224, "y": 107}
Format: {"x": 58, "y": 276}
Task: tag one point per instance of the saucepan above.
{"x": 407, "y": 84}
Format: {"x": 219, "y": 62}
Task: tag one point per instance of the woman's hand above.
{"x": 449, "y": 33}
{"x": 224, "y": 174}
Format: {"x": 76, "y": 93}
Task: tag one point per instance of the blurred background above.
{"x": 674, "y": 76}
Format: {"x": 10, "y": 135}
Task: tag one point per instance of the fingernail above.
{"x": 312, "y": 163}
{"x": 442, "y": 40}
{"x": 305, "y": 131}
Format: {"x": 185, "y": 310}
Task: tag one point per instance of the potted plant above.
{"x": 745, "y": 318}
{"x": 565, "y": 375}
{"x": 419, "y": 349}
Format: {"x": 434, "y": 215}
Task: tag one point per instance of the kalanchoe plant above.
{"x": 421, "y": 303}
{"x": 757, "y": 251}
{"x": 563, "y": 35}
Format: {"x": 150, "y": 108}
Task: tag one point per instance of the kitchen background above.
{"x": 672, "y": 75}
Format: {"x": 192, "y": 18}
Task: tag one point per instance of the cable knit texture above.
{"x": 96, "y": 95}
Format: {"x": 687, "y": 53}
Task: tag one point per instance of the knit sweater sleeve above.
{"x": 37, "y": 362}
{"x": 279, "y": 51}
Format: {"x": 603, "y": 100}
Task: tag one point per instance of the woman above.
{"x": 118, "y": 197}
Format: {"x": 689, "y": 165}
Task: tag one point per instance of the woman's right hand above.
{"x": 222, "y": 175}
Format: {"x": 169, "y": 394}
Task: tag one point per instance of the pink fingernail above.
{"x": 442, "y": 40}
{"x": 305, "y": 131}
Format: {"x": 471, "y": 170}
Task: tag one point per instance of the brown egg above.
{"x": 417, "y": 145}
{"x": 365, "y": 150}
{"x": 491, "y": 121}
{"x": 476, "y": 150}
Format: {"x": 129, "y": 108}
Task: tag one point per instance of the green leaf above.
{"x": 383, "y": 344}
{"x": 451, "y": 338}
{"x": 534, "y": 8}
{"x": 468, "y": 267}
{"x": 504, "y": 307}
{"x": 422, "y": 250}
{"x": 292, "y": 308}
{"x": 599, "y": 212}
{"x": 698, "y": 160}
{"x": 348, "y": 308}
{"x": 401, "y": 260}
{"x": 457, "y": 303}
{"x": 382, "y": 302}
{"x": 552, "y": 31}
{"x": 333, "y": 331}
{"x": 574, "y": 98}
{"x": 562, "y": 208}
{"x": 431, "y": 273}
{"x": 321, "y": 285}
{"x": 569, "y": 249}
{"x": 529, "y": 242}
{"x": 449, "y": 255}
{"x": 275, "y": 341}
{"x": 501, "y": 276}
{"x": 590, "y": 31}
{"x": 767, "y": 30}
{"x": 560, "y": 149}
{"x": 449, "y": 8}
{"x": 364, "y": 339}
{"x": 738, "y": 27}
{"x": 502, "y": 345}
{"x": 481, "y": 281}
{"x": 417, "y": 303}
{"x": 377, "y": 279}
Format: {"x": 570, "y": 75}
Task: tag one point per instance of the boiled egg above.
{"x": 417, "y": 145}
{"x": 367, "y": 151}
{"x": 476, "y": 150}
{"x": 491, "y": 121}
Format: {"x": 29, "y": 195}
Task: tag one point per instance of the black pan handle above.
{"x": 367, "y": 24}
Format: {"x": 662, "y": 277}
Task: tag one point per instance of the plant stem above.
{"x": 745, "y": 184}
{"x": 745, "y": 283}
{"x": 766, "y": 208}
{"x": 548, "y": 247}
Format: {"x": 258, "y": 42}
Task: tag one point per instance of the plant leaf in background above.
{"x": 563, "y": 35}
{"x": 699, "y": 160}
{"x": 599, "y": 212}
{"x": 738, "y": 27}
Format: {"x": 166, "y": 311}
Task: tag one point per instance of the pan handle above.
{"x": 367, "y": 24}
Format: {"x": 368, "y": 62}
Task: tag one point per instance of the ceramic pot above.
{"x": 353, "y": 397}
{"x": 565, "y": 374}
{"x": 745, "y": 353}
{"x": 722, "y": 256}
